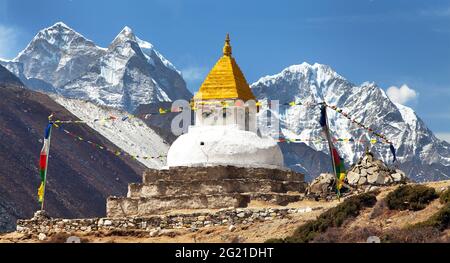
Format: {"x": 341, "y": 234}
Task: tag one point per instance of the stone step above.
{"x": 147, "y": 206}
{"x": 276, "y": 198}
{"x": 219, "y": 173}
{"x": 179, "y": 187}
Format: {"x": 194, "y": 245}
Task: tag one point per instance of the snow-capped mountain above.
{"x": 54, "y": 56}
{"x": 419, "y": 152}
{"x": 128, "y": 73}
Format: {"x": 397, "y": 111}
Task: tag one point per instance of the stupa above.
{"x": 222, "y": 161}
{"x": 225, "y": 130}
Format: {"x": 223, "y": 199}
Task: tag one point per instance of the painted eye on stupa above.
{"x": 206, "y": 114}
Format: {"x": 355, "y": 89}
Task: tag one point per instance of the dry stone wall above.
{"x": 43, "y": 224}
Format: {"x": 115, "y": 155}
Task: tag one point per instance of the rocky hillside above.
{"x": 128, "y": 132}
{"x": 80, "y": 177}
{"x": 8, "y": 78}
{"x": 420, "y": 154}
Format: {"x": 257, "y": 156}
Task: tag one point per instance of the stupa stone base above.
{"x": 209, "y": 187}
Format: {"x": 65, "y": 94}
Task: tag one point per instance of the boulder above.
{"x": 372, "y": 170}
{"x": 363, "y": 172}
{"x": 380, "y": 179}
{"x": 353, "y": 178}
{"x": 154, "y": 233}
{"x": 42, "y": 236}
{"x": 372, "y": 178}
{"x": 41, "y": 215}
{"x": 397, "y": 177}
{"x": 362, "y": 180}
{"x": 322, "y": 185}
{"x": 388, "y": 180}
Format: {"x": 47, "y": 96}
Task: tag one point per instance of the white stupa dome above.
{"x": 224, "y": 145}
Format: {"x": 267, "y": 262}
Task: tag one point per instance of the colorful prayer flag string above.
{"x": 319, "y": 140}
{"x": 370, "y": 130}
{"x": 101, "y": 147}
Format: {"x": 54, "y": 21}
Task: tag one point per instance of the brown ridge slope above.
{"x": 80, "y": 177}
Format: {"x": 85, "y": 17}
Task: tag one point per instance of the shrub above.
{"x": 333, "y": 217}
{"x": 331, "y": 235}
{"x": 410, "y": 197}
{"x": 354, "y": 235}
{"x": 445, "y": 196}
{"x": 425, "y": 234}
{"x": 440, "y": 220}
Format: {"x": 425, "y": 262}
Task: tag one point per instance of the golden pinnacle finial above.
{"x": 227, "y": 46}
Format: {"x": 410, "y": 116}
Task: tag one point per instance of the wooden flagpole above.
{"x": 330, "y": 145}
{"x": 46, "y": 161}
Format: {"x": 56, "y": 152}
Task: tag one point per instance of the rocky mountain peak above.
{"x": 315, "y": 72}
{"x": 53, "y": 39}
{"x": 126, "y": 34}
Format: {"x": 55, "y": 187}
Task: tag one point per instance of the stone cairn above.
{"x": 367, "y": 174}
{"x": 207, "y": 187}
{"x": 369, "y": 171}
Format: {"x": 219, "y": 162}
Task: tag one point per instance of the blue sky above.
{"x": 393, "y": 43}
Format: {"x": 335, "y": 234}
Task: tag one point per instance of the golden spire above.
{"x": 227, "y": 46}
{"x": 225, "y": 80}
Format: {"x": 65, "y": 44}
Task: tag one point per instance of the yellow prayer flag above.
{"x": 340, "y": 182}
{"x": 41, "y": 192}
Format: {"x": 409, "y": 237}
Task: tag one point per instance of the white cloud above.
{"x": 436, "y": 12}
{"x": 194, "y": 73}
{"x": 443, "y": 136}
{"x": 401, "y": 95}
{"x": 8, "y": 41}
